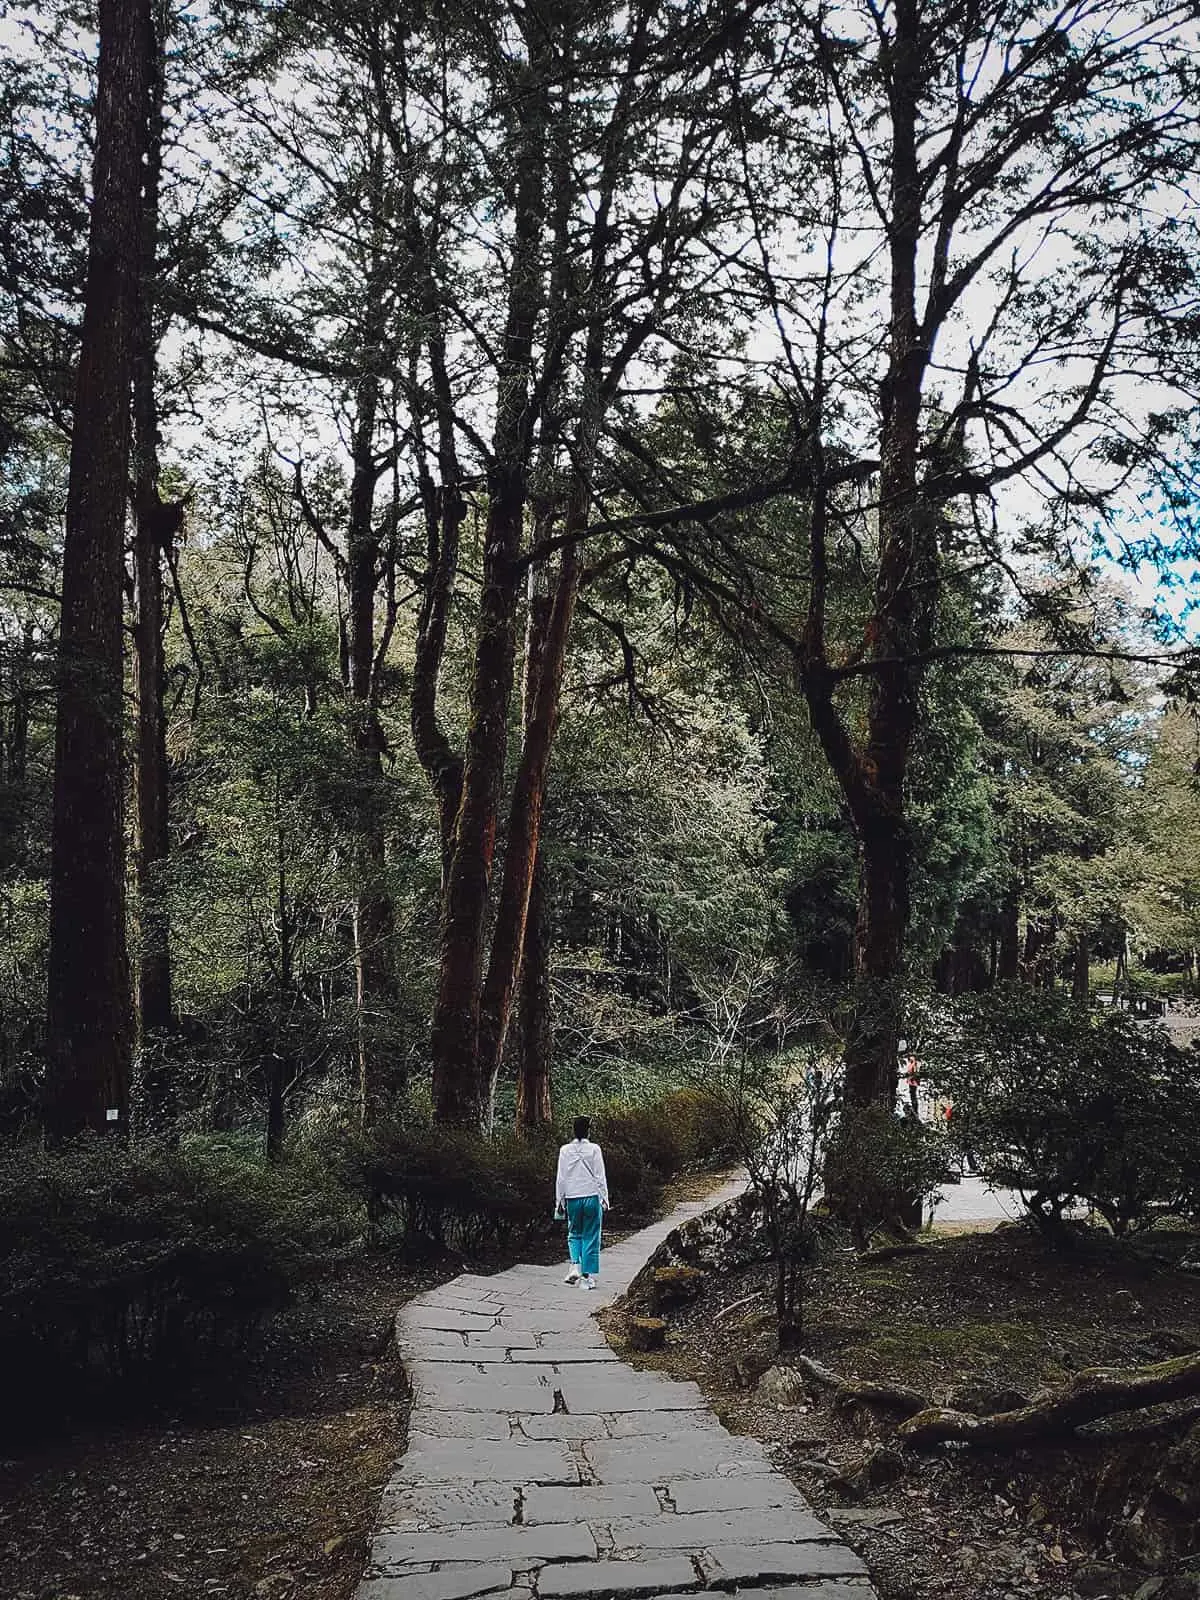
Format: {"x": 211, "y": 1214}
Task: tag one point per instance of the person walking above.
{"x": 581, "y": 1194}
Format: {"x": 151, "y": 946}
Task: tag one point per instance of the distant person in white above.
{"x": 581, "y": 1193}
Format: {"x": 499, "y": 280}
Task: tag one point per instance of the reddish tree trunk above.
{"x": 872, "y": 1046}
{"x": 458, "y": 1091}
{"x": 534, "y": 1107}
{"x": 379, "y": 1077}
{"x": 525, "y": 821}
{"x": 89, "y": 1010}
{"x": 457, "y": 1085}
{"x": 902, "y": 622}
{"x": 535, "y": 1104}
{"x": 445, "y": 510}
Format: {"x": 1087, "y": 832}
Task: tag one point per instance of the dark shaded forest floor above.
{"x": 266, "y": 1485}
{"x": 981, "y": 1313}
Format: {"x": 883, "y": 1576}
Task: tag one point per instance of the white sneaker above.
{"x": 573, "y": 1275}
{"x": 590, "y": 1283}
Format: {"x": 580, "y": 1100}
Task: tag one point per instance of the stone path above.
{"x": 541, "y": 1467}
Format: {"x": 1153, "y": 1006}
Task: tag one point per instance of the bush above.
{"x": 880, "y": 1165}
{"x": 445, "y": 1189}
{"x": 116, "y": 1262}
{"x": 645, "y": 1145}
{"x": 646, "y": 1132}
{"x": 687, "y": 1128}
{"x": 1071, "y": 1107}
{"x": 708, "y": 1126}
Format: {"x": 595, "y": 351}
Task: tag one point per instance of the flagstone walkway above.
{"x": 541, "y": 1467}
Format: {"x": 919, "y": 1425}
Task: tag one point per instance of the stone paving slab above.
{"x": 458, "y": 1386}
{"x": 518, "y": 1545}
{"x": 540, "y": 1467}
{"x": 417, "y": 1315}
{"x": 589, "y": 1503}
{"x": 838, "y": 1589}
{"x": 625, "y": 1391}
{"x": 697, "y": 1530}
{"x": 437, "y": 1585}
{"x": 563, "y": 1355}
{"x": 662, "y": 1425}
{"x": 501, "y": 1339}
{"x": 616, "y": 1577}
{"x": 657, "y": 1461}
{"x": 415, "y": 1508}
{"x": 465, "y": 1425}
{"x": 487, "y": 1461}
{"x": 741, "y": 1492}
{"x": 740, "y": 1564}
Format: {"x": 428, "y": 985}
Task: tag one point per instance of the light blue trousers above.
{"x": 583, "y": 1233}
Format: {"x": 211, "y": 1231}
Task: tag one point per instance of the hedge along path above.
{"x": 541, "y": 1467}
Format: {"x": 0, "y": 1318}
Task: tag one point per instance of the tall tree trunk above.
{"x": 445, "y": 511}
{"x": 872, "y": 1046}
{"x": 1081, "y": 970}
{"x": 15, "y": 753}
{"x": 1121, "y": 976}
{"x": 905, "y": 605}
{"x": 155, "y": 526}
{"x": 374, "y": 913}
{"x": 457, "y": 1085}
{"x": 537, "y": 1042}
{"x": 458, "y": 1092}
{"x": 89, "y": 1010}
{"x": 535, "y": 1103}
{"x": 379, "y": 1077}
{"x": 873, "y": 775}
{"x": 525, "y": 818}
{"x": 279, "y": 1063}
{"x": 1008, "y": 963}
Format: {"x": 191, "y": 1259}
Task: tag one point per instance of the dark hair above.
{"x": 582, "y": 1124}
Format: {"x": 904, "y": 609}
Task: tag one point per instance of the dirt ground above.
{"x": 265, "y": 1484}
{"x": 980, "y": 1314}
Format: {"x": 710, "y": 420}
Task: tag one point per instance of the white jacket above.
{"x": 580, "y": 1172}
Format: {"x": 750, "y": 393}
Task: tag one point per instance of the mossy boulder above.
{"x": 676, "y": 1286}
{"x": 647, "y": 1333}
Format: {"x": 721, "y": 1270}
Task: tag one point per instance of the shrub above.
{"x": 879, "y": 1165}
{"x": 445, "y": 1189}
{"x": 1068, "y": 1106}
{"x": 686, "y": 1128}
{"x": 636, "y": 1188}
{"x": 707, "y": 1123}
{"x": 115, "y": 1262}
{"x": 647, "y": 1132}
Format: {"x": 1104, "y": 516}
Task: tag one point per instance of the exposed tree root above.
{"x": 888, "y": 1396}
{"x": 1142, "y": 1429}
{"x": 889, "y": 1252}
{"x": 1090, "y": 1395}
{"x": 854, "y": 1392}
